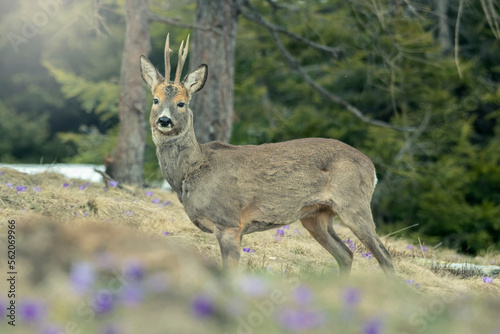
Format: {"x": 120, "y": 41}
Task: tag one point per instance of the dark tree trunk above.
{"x": 128, "y": 160}
{"x": 213, "y": 105}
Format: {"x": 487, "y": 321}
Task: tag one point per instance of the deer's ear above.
{"x": 195, "y": 80}
{"x": 149, "y": 73}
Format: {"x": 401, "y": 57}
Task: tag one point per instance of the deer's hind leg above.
{"x": 359, "y": 219}
{"x": 320, "y": 227}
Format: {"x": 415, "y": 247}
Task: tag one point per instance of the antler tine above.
{"x": 167, "y": 58}
{"x": 182, "y": 59}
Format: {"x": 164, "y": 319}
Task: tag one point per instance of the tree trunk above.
{"x": 444, "y": 35}
{"x": 213, "y": 105}
{"x": 128, "y": 160}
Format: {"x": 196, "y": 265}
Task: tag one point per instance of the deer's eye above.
{"x": 181, "y": 104}
{"x": 156, "y": 101}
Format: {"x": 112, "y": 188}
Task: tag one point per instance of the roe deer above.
{"x": 235, "y": 190}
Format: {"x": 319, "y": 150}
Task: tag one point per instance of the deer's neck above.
{"x": 178, "y": 158}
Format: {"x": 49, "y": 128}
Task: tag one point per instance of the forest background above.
{"x": 414, "y": 84}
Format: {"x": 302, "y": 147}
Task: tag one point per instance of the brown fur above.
{"x": 236, "y": 190}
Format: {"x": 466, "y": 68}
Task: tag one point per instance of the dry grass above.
{"x": 59, "y": 226}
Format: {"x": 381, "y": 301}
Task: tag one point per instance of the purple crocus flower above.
{"x": 1, "y": 173}
{"x": 82, "y": 187}
{"x": 31, "y": 311}
{"x": 36, "y": 189}
{"x": 9, "y": 185}
{"x": 113, "y": 184}
{"x": 202, "y": 306}
{"x": 165, "y": 233}
{"x": 300, "y": 320}
{"x": 103, "y": 302}
{"x": 409, "y": 281}
{"x": 410, "y": 247}
{"x": 286, "y": 227}
{"x": 366, "y": 255}
{"x": 132, "y": 294}
{"x": 167, "y": 203}
{"x": 156, "y": 201}
{"x": 297, "y": 231}
{"x": 372, "y": 326}
{"x": 350, "y": 244}
{"x": 248, "y": 250}
{"x": 149, "y": 193}
{"x": 487, "y": 280}
{"x": 280, "y": 232}
{"x": 134, "y": 270}
{"x": 129, "y": 213}
{"x": 351, "y": 296}
{"x": 65, "y": 185}
{"x": 82, "y": 276}
{"x": 303, "y": 294}
{"x": 21, "y": 188}
{"x": 423, "y": 248}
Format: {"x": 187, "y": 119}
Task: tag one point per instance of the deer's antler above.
{"x": 182, "y": 59}
{"x": 167, "y": 59}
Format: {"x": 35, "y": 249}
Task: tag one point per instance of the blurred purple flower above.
{"x": 51, "y": 329}
{"x": 349, "y": 243}
{"x": 9, "y": 185}
{"x": 253, "y": 286}
{"x": 65, "y": 185}
{"x": 372, "y": 326}
{"x": 487, "y": 280}
{"x": 36, "y": 189}
{"x": 280, "y": 232}
{"x": 409, "y": 281}
{"x": 165, "y": 233}
{"x": 129, "y": 213}
{"x": 366, "y": 255}
{"x": 110, "y": 329}
{"x": 31, "y": 311}
{"x": 423, "y": 248}
{"x": 297, "y": 231}
{"x": 3, "y": 309}
{"x": 113, "y": 184}
{"x": 86, "y": 214}
{"x": 82, "y": 187}
{"x": 167, "y": 203}
{"x": 351, "y": 296}
{"x": 1, "y": 173}
{"x": 248, "y": 250}
{"x": 88, "y": 184}
{"x": 286, "y": 227}
{"x": 103, "y": 302}
{"x": 156, "y": 201}
{"x": 134, "y": 270}
{"x": 82, "y": 276}
{"x": 202, "y": 306}
{"x": 132, "y": 294}
{"x": 300, "y": 320}
{"x": 21, "y": 188}
{"x": 303, "y": 294}
{"x": 410, "y": 247}
{"x": 149, "y": 193}
{"x": 276, "y": 238}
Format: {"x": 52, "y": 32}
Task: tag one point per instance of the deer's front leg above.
{"x": 229, "y": 242}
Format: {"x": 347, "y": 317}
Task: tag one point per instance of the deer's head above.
{"x": 170, "y": 115}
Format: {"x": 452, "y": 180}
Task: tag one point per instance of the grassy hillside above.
{"x": 126, "y": 260}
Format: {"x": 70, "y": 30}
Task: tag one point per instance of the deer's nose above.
{"x": 164, "y": 122}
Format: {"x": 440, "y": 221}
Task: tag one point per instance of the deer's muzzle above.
{"x": 164, "y": 122}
